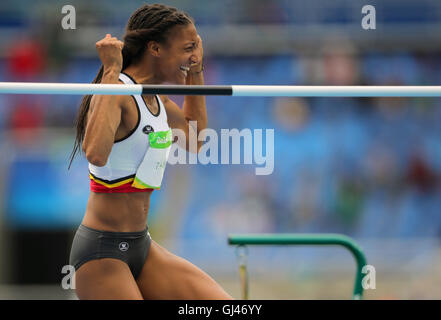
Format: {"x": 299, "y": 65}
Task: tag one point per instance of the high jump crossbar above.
{"x": 219, "y": 90}
{"x": 308, "y": 239}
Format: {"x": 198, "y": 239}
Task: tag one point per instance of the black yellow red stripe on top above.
{"x": 121, "y": 185}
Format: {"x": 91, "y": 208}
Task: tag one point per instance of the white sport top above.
{"x": 128, "y": 153}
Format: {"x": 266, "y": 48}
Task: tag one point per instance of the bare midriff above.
{"x": 117, "y": 212}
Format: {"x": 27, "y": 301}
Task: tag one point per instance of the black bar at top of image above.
{"x": 188, "y": 90}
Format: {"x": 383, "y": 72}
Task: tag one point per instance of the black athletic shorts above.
{"x": 130, "y": 247}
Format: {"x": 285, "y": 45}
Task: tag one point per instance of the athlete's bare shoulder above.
{"x": 123, "y": 101}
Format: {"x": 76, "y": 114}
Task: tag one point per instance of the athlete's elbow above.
{"x": 95, "y": 158}
{"x": 195, "y": 148}
{"x": 98, "y": 162}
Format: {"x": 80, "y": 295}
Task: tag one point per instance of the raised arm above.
{"x": 104, "y": 114}
{"x": 194, "y": 108}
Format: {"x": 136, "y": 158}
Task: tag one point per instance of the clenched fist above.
{"x": 199, "y": 53}
{"x": 110, "y": 52}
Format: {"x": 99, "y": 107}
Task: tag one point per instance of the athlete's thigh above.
{"x": 167, "y": 276}
{"x": 106, "y": 278}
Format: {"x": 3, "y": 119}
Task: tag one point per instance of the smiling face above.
{"x": 175, "y": 57}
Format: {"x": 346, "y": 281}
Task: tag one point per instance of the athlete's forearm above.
{"x": 194, "y": 106}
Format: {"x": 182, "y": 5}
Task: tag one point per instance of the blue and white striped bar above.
{"x": 232, "y": 90}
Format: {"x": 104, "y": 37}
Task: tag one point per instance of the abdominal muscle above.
{"x": 117, "y": 212}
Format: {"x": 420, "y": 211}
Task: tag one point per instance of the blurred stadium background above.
{"x": 367, "y": 168}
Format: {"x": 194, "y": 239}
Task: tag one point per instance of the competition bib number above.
{"x": 151, "y": 171}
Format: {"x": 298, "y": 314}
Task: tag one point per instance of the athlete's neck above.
{"x": 143, "y": 73}
{"x": 142, "y": 76}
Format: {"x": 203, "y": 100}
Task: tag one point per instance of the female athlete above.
{"x": 126, "y": 140}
